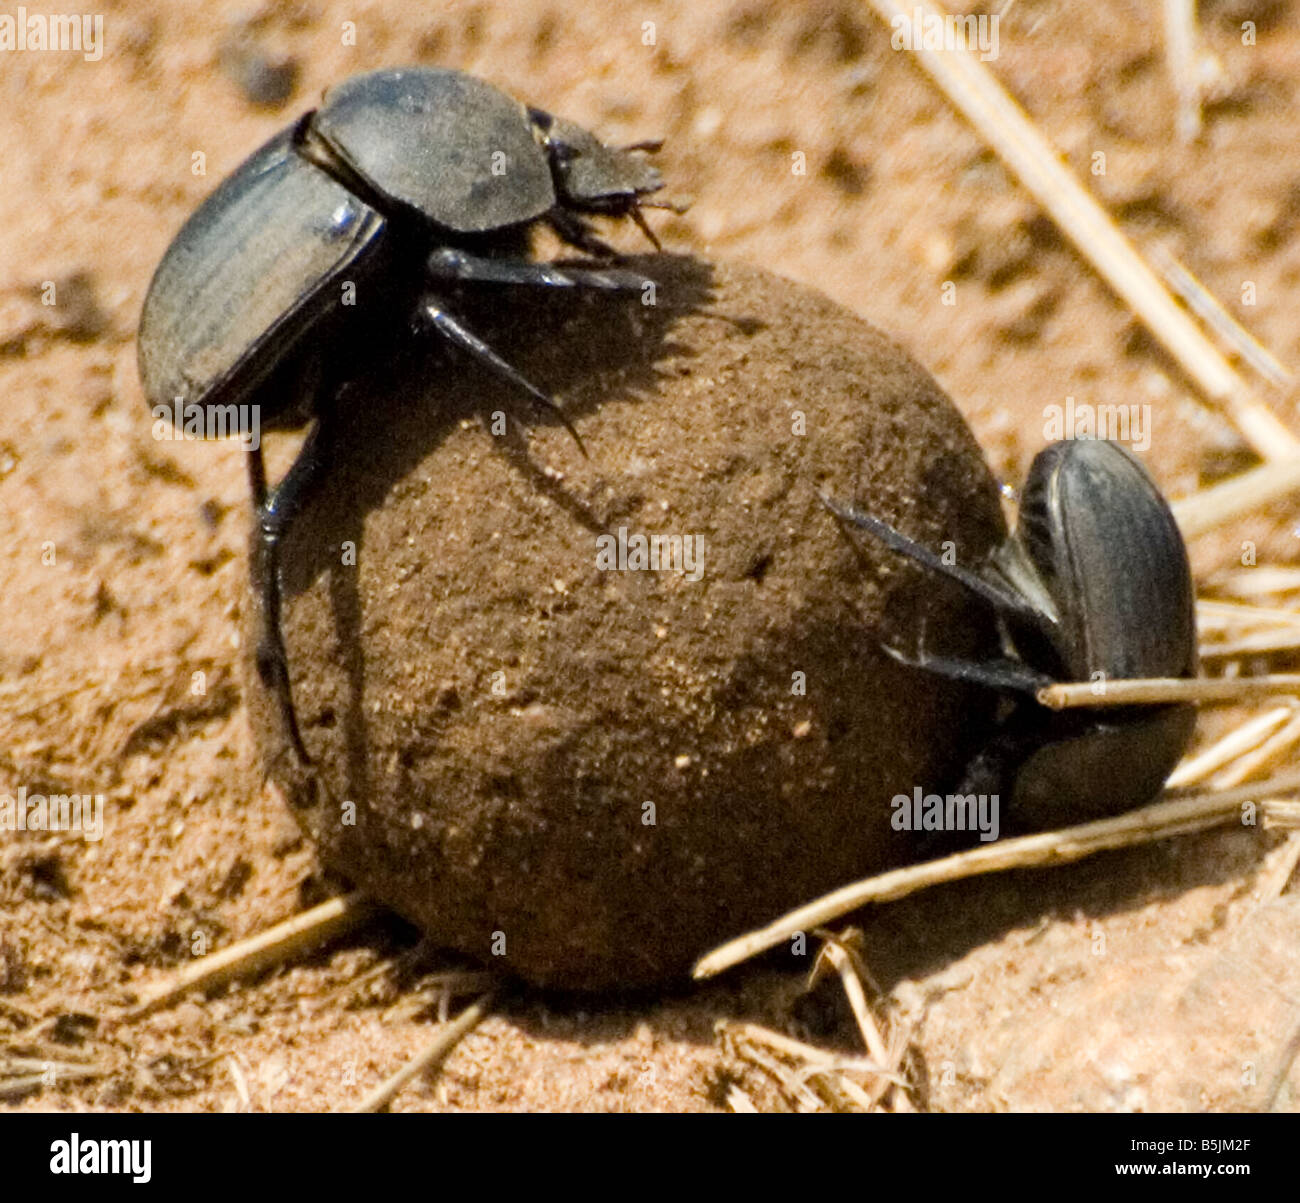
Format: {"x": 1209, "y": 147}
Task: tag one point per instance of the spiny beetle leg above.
{"x": 256, "y": 478}
{"x": 634, "y": 212}
{"x": 576, "y": 232}
{"x": 433, "y": 312}
{"x": 998, "y": 672}
{"x": 275, "y": 515}
{"x": 1001, "y": 597}
{"x": 448, "y": 263}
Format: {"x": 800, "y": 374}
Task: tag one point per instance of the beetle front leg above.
{"x": 448, "y": 263}
{"x": 577, "y": 233}
{"x": 276, "y": 511}
{"x": 435, "y": 316}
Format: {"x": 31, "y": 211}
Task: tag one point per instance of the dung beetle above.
{"x": 285, "y": 285}
{"x": 1093, "y": 585}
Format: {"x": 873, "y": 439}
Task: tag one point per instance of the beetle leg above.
{"x": 276, "y": 511}
{"x": 450, "y": 264}
{"x": 998, "y": 672}
{"x": 1002, "y": 598}
{"x": 576, "y": 232}
{"x": 634, "y": 212}
{"x": 461, "y": 336}
{"x": 257, "y": 477}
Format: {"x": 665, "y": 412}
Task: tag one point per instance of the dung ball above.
{"x": 584, "y": 718}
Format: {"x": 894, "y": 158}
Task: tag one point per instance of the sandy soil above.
{"x": 123, "y": 556}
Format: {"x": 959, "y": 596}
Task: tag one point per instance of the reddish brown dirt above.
{"x": 100, "y": 640}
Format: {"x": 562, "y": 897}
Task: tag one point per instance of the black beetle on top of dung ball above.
{"x": 404, "y": 179}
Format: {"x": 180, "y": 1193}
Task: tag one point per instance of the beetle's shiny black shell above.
{"x": 1112, "y": 558}
{"x": 452, "y": 147}
{"x": 1100, "y": 763}
{"x": 249, "y": 275}
{"x": 1109, "y": 551}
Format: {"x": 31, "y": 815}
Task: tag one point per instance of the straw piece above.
{"x": 974, "y": 91}
{"x": 744, "y": 1040}
{"x": 1266, "y": 756}
{"x": 1157, "y": 821}
{"x": 1257, "y": 643}
{"x": 449, "y": 1035}
{"x": 294, "y": 938}
{"x": 1274, "y": 881}
{"x": 1212, "y": 616}
{"x": 787, "y": 1046}
{"x": 1237, "y": 742}
{"x": 1262, "y": 581}
{"x": 1237, "y": 497}
{"x": 740, "y": 1102}
{"x": 835, "y": 953}
{"x": 1157, "y": 691}
{"x": 1181, "y": 56}
{"x": 843, "y": 953}
{"x": 1281, "y": 813}
{"x": 1202, "y": 302}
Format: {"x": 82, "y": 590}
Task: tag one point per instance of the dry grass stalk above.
{"x": 740, "y": 1102}
{"x": 1281, "y": 813}
{"x": 1160, "y": 820}
{"x": 1238, "y": 496}
{"x": 1276, "y": 877}
{"x": 974, "y": 91}
{"x": 1202, "y": 302}
{"x": 1182, "y": 53}
{"x": 1158, "y": 691}
{"x": 1261, "y": 581}
{"x": 1214, "y": 617}
{"x": 1267, "y": 756}
{"x": 746, "y": 1041}
{"x": 449, "y": 1035}
{"x": 294, "y": 938}
{"x": 1240, "y": 740}
{"x": 842, "y": 952}
{"x": 818, "y": 1079}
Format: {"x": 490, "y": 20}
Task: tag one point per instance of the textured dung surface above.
{"x": 501, "y": 711}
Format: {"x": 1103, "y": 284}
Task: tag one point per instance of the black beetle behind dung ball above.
{"x": 290, "y": 280}
{"x": 1094, "y": 585}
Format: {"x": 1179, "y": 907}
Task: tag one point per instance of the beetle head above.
{"x": 589, "y": 175}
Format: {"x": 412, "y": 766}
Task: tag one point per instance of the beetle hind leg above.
{"x": 1002, "y": 598}
{"x": 1000, "y": 673}
{"x": 276, "y": 510}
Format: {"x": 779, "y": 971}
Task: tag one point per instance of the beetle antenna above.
{"x": 649, "y": 145}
